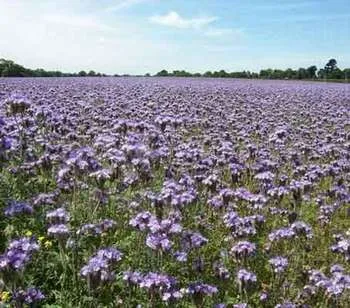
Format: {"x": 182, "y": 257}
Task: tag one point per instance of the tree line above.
{"x": 330, "y": 71}
{"x": 9, "y": 68}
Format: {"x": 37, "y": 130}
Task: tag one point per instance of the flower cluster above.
{"x": 155, "y": 283}
{"x": 334, "y": 285}
{"x": 16, "y": 208}
{"x": 18, "y": 254}
{"x": 160, "y": 231}
{"x": 99, "y": 268}
{"x": 342, "y": 246}
{"x": 29, "y": 296}
{"x": 96, "y": 229}
{"x": 243, "y": 249}
{"x": 279, "y": 264}
{"x": 58, "y": 219}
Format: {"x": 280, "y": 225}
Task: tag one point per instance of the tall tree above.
{"x": 163, "y": 73}
{"x": 331, "y": 65}
{"x": 311, "y": 71}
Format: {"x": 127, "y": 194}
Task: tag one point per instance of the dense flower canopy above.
{"x": 127, "y": 191}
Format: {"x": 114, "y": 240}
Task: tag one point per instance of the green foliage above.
{"x": 331, "y": 66}
{"x": 82, "y": 74}
{"x": 311, "y": 71}
{"x": 331, "y": 71}
{"x": 163, "y": 73}
{"x": 9, "y": 68}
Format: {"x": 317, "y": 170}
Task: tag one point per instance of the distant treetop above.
{"x": 9, "y": 68}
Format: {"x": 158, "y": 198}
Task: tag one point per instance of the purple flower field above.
{"x": 146, "y": 192}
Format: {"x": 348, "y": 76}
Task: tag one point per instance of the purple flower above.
{"x": 107, "y": 225}
{"x": 220, "y": 306}
{"x": 18, "y": 254}
{"x": 265, "y": 176}
{"x": 58, "y": 216}
{"x": 337, "y": 268}
{"x": 110, "y": 254}
{"x": 283, "y": 233}
{"x": 89, "y": 229}
{"x": 98, "y": 268}
{"x": 166, "y": 226}
{"x": 243, "y": 249}
{"x": 342, "y": 247}
{"x": 332, "y": 286}
{"x": 158, "y": 241}
{"x": 158, "y": 281}
{"x": 141, "y": 221}
{"x": 216, "y": 202}
{"x": 60, "y": 231}
{"x": 242, "y": 226}
{"x": 132, "y": 277}
{"x": 246, "y": 277}
{"x": 301, "y": 228}
{"x": 197, "y": 240}
{"x": 16, "y": 208}
{"x": 192, "y": 240}
{"x": 96, "y": 229}
{"x": 101, "y": 175}
{"x": 45, "y": 199}
{"x": 172, "y": 295}
{"x": 180, "y": 256}
{"x": 29, "y": 296}
{"x": 221, "y": 271}
{"x": 279, "y": 264}
{"x": 263, "y": 296}
{"x": 203, "y": 289}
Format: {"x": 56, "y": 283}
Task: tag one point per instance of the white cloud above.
{"x": 173, "y": 19}
{"x": 124, "y": 4}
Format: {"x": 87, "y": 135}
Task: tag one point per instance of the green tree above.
{"x": 346, "y": 73}
{"x": 266, "y": 73}
{"x": 163, "y": 73}
{"x": 336, "y": 74}
{"x": 330, "y": 66}
{"x": 290, "y": 74}
{"x": 321, "y": 74}
{"x": 223, "y": 74}
{"x": 302, "y": 73}
{"x": 208, "y": 74}
{"x": 311, "y": 71}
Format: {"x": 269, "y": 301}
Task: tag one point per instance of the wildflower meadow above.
{"x": 164, "y": 192}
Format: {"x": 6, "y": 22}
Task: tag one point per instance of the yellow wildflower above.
{"x": 48, "y": 244}
{"x": 41, "y": 238}
{"x": 4, "y": 296}
{"x": 28, "y": 233}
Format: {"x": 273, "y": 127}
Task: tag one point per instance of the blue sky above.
{"x": 139, "y": 36}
